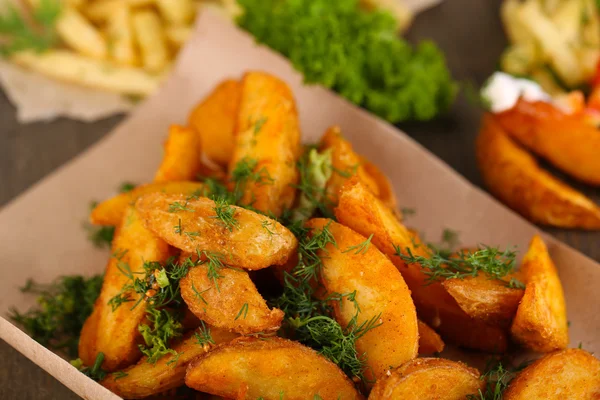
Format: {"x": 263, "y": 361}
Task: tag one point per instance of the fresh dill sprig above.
{"x": 225, "y": 213}
{"x": 177, "y": 206}
{"x": 94, "y": 372}
{"x": 119, "y": 375}
{"x": 63, "y": 307}
{"x": 214, "y": 263}
{"x": 497, "y": 379}
{"x": 360, "y": 248}
{"x": 243, "y": 312}
{"x": 309, "y": 264}
{"x": 203, "y": 336}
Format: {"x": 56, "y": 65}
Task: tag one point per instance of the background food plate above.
{"x": 41, "y": 231}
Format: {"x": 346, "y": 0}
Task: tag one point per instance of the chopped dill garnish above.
{"x": 177, "y": 206}
{"x": 309, "y": 264}
{"x": 126, "y": 187}
{"x": 119, "y": 375}
{"x": 203, "y": 336}
{"x": 259, "y": 124}
{"x": 214, "y": 263}
{"x": 243, "y": 311}
{"x": 225, "y": 213}
{"x": 198, "y": 294}
{"x": 360, "y": 248}
{"x": 497, "y": 379}
{"x": 178, "y": 228}
{"x": 94, "y": 372}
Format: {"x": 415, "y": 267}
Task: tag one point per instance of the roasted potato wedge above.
{"x": 428, "y": 378}
{"x": 111, "y": 211}
{"x": 384, "y": 186}
{"x": 488, "y": 300}
{"x": 115, "y": 331}
{"x": 567, "y": 374}
{"x": 353, "y": 265}
{"x": 146, "y": 379}
{"x": 267, "y": 136}
{"x": 238, "y": 237}
{"x": 541, "y": 320}
{"x": 214, "y": 120}
{"x": 181, "y": 161}
{"x": 250, "y": 368}
{"x": 345, "y": 164}
{"x": 429, "y": 341}
{"x": 228, "y": 300}
{"x": 360, "y": 210}
{"x": 566, "y": 141}
{"x": 514, "y": 176}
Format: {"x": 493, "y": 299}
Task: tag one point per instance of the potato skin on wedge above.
{"x": 268, "y": 133}
{"x": 250, "y": 241}
{"x": 214, "y": 121}
{"x": 251, "y": 368}
{"x": 181, "y": 160}
{"x": 485, "y": 299}
{"x": 513, "y": 175}
{"x": 146, "y": 379}
{"x": 428, "y": 378}
{"x": 380, "y": 292}
{"x": 566, "y": 374}
{"x": 115, "y": 332}
{"x": 110, "y": 212}
{"x": 429, "y": 341}
{"x": 230, "y": 301}
{"x": 541, "y": 320}
{"x": 566, "y": 141}
{"x": 360, "y": 210}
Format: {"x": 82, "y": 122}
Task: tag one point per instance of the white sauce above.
{"x": 502, "y": 91}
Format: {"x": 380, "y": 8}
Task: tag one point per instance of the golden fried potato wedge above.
{"x": 565, "y": 140}
{"x": 181, "y": 160}
{"x": 228, "y": 300}
{"x": 237, "y": 236}
{"x": 250, "y": 368}
{"x": 353, "y": 265}
{"x": 384, "y": 186}
{"x": 428, "y": 378}
{"x": 267, "y": 137}
{"x": 146, "y": 379}
{"x": 429, "y": 341}
{"x": 541, "y": 320}
{"x": 361, "y": 211}
{"x": 488, "y": 300}
{"x": 345, "y": 164}
{"x": 513, "y": 175}
{"x": 115, "y": 331}
{"x": 214, "y": 119}
{"x": 111, "y": 211}
{"x": 566, "y": 374}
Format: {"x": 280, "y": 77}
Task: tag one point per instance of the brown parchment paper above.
{"x": 41, "y": 233}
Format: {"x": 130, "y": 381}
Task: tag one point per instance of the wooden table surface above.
{"x": 468, "y": 31}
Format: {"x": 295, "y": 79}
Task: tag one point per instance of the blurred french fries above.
{"x": 151, "y": 39}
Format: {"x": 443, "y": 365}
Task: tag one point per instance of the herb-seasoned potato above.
{"x": 227, "y": 298}
{"x": 267, "y": 141}
{"x": 429, "y": 341}
{"x": 488, "y": 300}
{"x": 428, "y": 378}
{"x": 238, "y": 237}
{"x": 250, "y": 368}
{"x": 145, "y": 379}
{"x": 384, "y": 186}
{"x": 181, "y": 161}
{"x": 345, "y": 164}
{"x": 352, "y": 264}
{"x": 111, "y": 211}
{"x": 541, "y": 320}
{"x": 567, "y": 374}
{"x": 514, "y": 176}
{"x": 565, "y": 140}
{"x": 360, "y": 210}
{"x": 115, "y": 331}
{"x": 214, "y": 120}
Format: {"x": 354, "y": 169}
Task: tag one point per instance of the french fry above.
{"x": 516, "y": 31}
{"x": 114, "y": 331}
{"x": 381, "y": 295}
{"x": 514, "y": 176}
{"x": 568, "y": 19}
{"x": 249, "y": 368}
{"x": 177, "y": 35}
{"x": 227, "y": 298}
{"x": 100, "y": 11}
{"x": 178, "y": 12}
{"x": 567, "y": 374}
{"x": 80, "y": 35}
{"x": 429, "y": 341}
{"x": 214, "y": 120}
{"x": 240, "y": 237}
{"x": 111, "y": 211}
{"x": 74, "y": 68}
{"x": 541, "y": 320}
{"x": 181, "y": 160}
{"x": 150, "y": 37}
{"x": 429, "y": 378}
{"x": 146, "y": 379}
{"x": 268, "y": 134}
{"x": 120, "y": 36}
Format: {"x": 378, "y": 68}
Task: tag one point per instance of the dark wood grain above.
{"x": 468, "y": 31}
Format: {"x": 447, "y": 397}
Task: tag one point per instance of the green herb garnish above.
{"x": 164, "y": 326}
{"x": 497, "y": 379}
{"x": 225, "y": 213}
{"x": 203, "y": 336}
{"x": 95, "y": 372}
{"x": 315, "y": 170}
